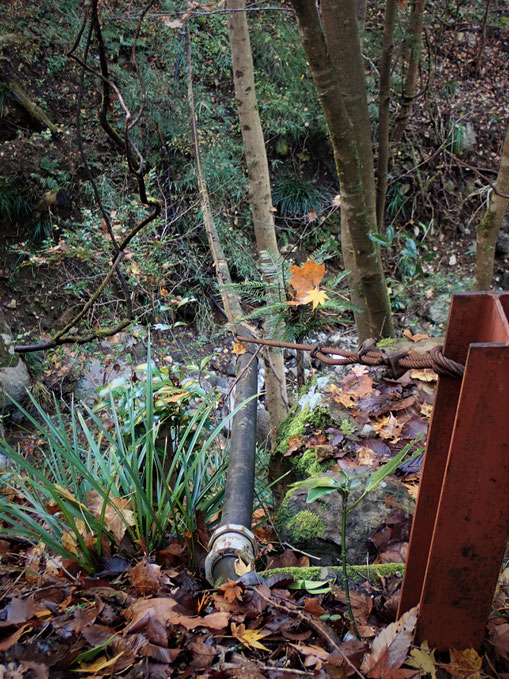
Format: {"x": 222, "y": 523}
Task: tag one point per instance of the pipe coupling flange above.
{"x": 230, "y": 540}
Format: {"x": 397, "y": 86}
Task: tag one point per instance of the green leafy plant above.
{"x": 320, "y": 486}
{"x": 108, "y": 482}
{"x": 411, "y": 249}
{"x": 15, "y": 204}
{"x": 294, "y": 196}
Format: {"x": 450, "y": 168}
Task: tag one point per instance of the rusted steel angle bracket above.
{"x": 461, "y": 522}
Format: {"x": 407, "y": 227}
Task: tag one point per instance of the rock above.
{"x": 468, "y": 139}
{"x": 316, "y": 527}
{"x": 438, "y": 311}
{"x": 367, "y": 431}
{"x": 14, "y": 377}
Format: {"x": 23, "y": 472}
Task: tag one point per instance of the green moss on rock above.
{"x": 372, "y": 572}
{"x": 305, "y": 526}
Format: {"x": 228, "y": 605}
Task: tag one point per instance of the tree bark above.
{"x": 259, "y": 184}
{"x": 415, "y": 42}
{"x": 488, "y": 229}
{"x": 338, "y": 72}
{"x": 384, "y": 99}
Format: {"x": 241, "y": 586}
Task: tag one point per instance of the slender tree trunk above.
{"x": 259, "y": 183}
{"x": 482, "y": 39}
{"x": 336, "y": 66}
{"x": 415, "y": 42}
{"x": 231, "y": 303}
{"x": 384, "y": 99}
{"x": 488, "y": 229}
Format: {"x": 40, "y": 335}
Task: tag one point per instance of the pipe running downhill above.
{"x": 233, "y": 539}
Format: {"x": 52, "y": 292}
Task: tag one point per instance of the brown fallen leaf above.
{"x": 415, "y": 338}
{"x": 312, "y": 605}
{"x": 499, "y": 637}
{"x": 167, "y": 611}
{"x": 145, "y": 577}
{"x": 390, "y": 648}
{"x": 231, "y": 591}
{"x": 465, "y": 664}
{"x": 13, "y": 638}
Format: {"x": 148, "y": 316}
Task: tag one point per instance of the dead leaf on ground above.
{"x": 389, "y": 428}
{"x": 231, "y": 591}
{"x": 239, "y": 348}
{"x": 146, "y": 577}
{"x": 166, "y": 610}
{"x": 425, "y": 375}
{"x": 415, "y": 338}
{"x": 423, "y": 658}
{"x": 249, "y": 637}
{"x": 390, "y": 648}
{"x": 465, "y": 664}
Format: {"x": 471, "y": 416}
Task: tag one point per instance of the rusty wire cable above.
{"x": 368, "y": 354}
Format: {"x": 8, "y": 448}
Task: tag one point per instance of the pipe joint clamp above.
{"x": 230, "y": 540}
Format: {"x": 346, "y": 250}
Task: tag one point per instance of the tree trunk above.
{"x": 338, "y": 72}
{"x": 384, "y": 99}
{"x": 259, "y": 183}
{"x": 415, "y": 41}
{"x": 488, "y": 229}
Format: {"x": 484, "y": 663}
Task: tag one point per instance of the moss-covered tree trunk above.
{"x": 259, "y": 182}
{"x": 414, "y": 39}
{"x": 336, "y": 66}
{"x": 488, "y": 229}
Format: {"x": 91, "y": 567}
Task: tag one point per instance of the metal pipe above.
{"x": 233, "y": 539}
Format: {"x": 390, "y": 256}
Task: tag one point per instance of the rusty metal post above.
{"x": 461, "y": 521}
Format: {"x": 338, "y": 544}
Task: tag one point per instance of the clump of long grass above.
{"x": 102, "y": 482}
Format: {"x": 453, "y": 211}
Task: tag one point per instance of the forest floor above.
{"x": 156, "y": 616}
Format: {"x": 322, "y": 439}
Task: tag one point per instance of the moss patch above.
{"x": 355, "y": 573}
{"x": 293, "y": 425}
{"x": 305, "y": 526}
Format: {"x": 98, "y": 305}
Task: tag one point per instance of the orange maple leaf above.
{"x": 305, "y": 280}
{"x": 231, "y": 591}
{"x": 238, "y": 348}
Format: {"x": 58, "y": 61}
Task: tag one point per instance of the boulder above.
{"x": 315, "y": 528}
{"x": 438, "y": 311}
{"x": 14, "y": 377}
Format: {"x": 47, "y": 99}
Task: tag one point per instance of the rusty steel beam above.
{"x": 462, "y": 515}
